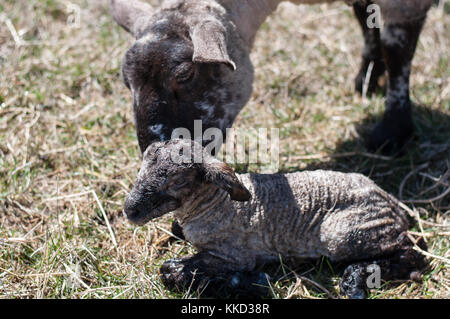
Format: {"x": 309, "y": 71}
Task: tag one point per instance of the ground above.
{"x": 69, "y": 155}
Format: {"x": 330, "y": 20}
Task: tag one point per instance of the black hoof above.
{"x": 180, "y": 275}
{"x": 357, "y": 294}
{"x": 390, "y": 138}
{"x": 174, "y": 275}
{"x": 353, "y": 283}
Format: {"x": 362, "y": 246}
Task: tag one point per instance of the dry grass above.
{"x": 68, "y": 151}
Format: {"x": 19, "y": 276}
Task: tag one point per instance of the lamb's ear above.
{"x": 210, "y": 46}
{"x": 130, "y": 14}
{"x": 223, "y": 176}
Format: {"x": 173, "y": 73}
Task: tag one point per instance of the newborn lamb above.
{"x": 240, "y": 222}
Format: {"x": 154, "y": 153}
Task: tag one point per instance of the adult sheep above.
{"x": 190, "y": 61}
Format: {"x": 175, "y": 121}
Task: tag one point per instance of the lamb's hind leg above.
{"x": 403, "y": 264}
{"x": 372, "y": 53}
{"x": 399, "y": 40}
{"x": 212, "y": 278}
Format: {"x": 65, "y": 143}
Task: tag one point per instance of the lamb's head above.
{"x": 171, "y": 172}
{"x": 185, "y": 65}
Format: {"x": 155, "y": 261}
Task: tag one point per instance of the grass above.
{"x": 69, "y": 155}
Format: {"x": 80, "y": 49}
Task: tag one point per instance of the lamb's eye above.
{"x": 180, "y": 182}
{"x": 184, "y": 72}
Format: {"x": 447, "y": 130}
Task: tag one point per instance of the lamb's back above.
{"x": 316, "y": 213}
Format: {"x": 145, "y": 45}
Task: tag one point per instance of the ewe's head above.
{"x": 171, "y": 171}
{"x": 181, "y": 67}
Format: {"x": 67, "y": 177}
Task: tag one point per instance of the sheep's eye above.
{"x": 184, "y": 72}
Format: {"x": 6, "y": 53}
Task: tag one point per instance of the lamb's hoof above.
{"x": 176, "y": 275}
{"x": 181, "y": 274}
{"x": 390, "y": 137}
{"x": 357, "y": 294}
{"x": 171, "y": 265}
{"x": 172, "y": 275}
{"x": 353, "y": 284}
{"x": 415, "y": 276}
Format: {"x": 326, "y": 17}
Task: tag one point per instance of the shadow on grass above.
{"x": 410, "y": 175}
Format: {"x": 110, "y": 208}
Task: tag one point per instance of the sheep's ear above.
{"x": 210, "y": 46}
{"x": 223, "y": 176}
{"x": 130, "y": 14}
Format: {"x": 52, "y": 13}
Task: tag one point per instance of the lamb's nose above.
{"x": 130, "y": 209}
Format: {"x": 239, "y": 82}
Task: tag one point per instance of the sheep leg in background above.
{"x": 371, "y": 52}
{"x": 208, "y": 275}
{"x": 399, "y": 42}
{"x": 403, "y": 265}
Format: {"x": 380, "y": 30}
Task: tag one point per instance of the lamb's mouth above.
{"x": 156, "y": 209}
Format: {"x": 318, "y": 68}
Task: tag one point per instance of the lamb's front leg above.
{"x": 177, "y": 230}
{"x": 398, "y": 44}
{"x": 212, "y": 277}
